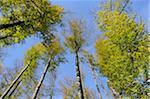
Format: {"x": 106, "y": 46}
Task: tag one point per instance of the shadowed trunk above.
{"x": 4, "y": 26}
{"x": 41, "y": 79}
{"x": 78, "y": 77}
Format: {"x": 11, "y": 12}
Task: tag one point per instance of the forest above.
{"x": 58, "y": 54}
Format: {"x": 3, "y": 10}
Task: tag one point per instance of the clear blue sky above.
{"x": 82, "y": 9}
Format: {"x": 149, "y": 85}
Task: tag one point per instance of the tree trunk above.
{"x": 78, "y": 77}
{"x": 14, "y": 82}
{"x": 94, "y": 77}
{"x": 14, "y": 88}
{"x": 41, "y": 80}
{"x": 4, "y": 26}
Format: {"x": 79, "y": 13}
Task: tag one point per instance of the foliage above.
{"x": 25, "y": 18}
{"x": 32, "y": 56}
{"x": 75, "y": 40}
{"x": 122, "y": 52}
{"x": 69, "y": 90}
{"x": 42, "y": 52}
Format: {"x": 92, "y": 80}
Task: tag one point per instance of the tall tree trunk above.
{"x": 14, "y": 82}
{"x": 94, "y": 77}
{"x": 78, "y": 77}
{"x": 41, "y": 79}
{"x": 14, "y": 88}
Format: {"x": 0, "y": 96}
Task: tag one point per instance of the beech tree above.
{"x": 123, "y": 53}
{"x": 75, "y": 41}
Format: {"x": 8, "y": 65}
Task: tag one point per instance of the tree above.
{"x": 33, "y": 55}
{"x": 123, "y": 53}
{"x": 23, "y": 18}
{"x": 53, "y": 61}
{"x": 75, "y": 41}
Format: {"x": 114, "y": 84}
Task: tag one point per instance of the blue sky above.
{"x": 81, "y": 9}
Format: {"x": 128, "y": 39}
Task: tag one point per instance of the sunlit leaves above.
{"x": 34, "y": 15}
{"x": 32, "y": 56}
{"x": 42, "y": 52}
{"x": 75, "y": 40}
{"x": 122, "y": 52}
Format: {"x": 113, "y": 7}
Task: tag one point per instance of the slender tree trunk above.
{"x": 94, "y": 77}
{"x": 14, "y": 88}
{"x": 14, "y": 82}
{"x": 41, "y": 80}
{"x": 4, "y": 26}
{"x": 78, "y": 77}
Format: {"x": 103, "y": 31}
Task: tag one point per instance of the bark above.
{"x": 14, "y": 82}
{"x": 78, "y": 77}
{"x": 41, "y": 79}
{"x": 4, "y": 26}
{"x": 14, "y": 88}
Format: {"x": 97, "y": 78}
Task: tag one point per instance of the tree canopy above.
{"x": 23, "y": 18}
{"x": 122, "y": 52}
